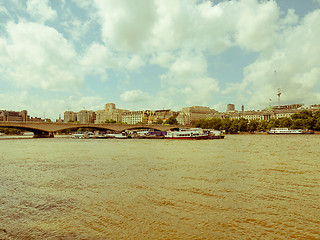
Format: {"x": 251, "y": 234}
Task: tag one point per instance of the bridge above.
{"x": 46, "y": 130}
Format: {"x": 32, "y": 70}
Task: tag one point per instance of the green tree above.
{"x": 110, "y": 121}
{"x": 316, "y": 115}
{"x": 225, "y": 124}
{"x": 297, "y": 123}
{"x": 285, "y": 122}
{"x": 273, "y": 123}
{"x": 159, "y": 121}
{"x": 243, "y": 125}
{"x": 263, "y": 125}
{"x": 171, "y": 120}
{"x": 234, "y": 127}
{"x": 304, "y": 114}
{"x": 253, "y": 125}
{"x": 317, "y": 125}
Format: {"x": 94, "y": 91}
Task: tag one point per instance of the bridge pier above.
{"x": 42, "y": 134}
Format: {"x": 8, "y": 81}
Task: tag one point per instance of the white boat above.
{"x": 29, "y": 134}
{"x": 193, "y": 133}
{"x": 216, "y": 134}
{"x": 285, "y": 131}
{"x": 117, "y": 135}
{"x": 79, "y": 135}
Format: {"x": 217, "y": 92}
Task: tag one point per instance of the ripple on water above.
{"x": 242, "y": 187}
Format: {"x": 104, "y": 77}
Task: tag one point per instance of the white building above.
{"x": 110, "y": 112}
{"x": 190, "y": 115}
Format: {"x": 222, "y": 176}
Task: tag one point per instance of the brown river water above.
{"x": 241, "y": 187}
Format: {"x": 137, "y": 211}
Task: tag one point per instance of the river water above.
{"x": 241, "y": 187}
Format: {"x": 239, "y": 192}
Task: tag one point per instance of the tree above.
{"x": 304, "y": 114}
{"x": 234, "y": 127}
{"x": 316, "y": 115}
{"x": 273, "y": 123}
{"x": 226, "y": 124}
{"x": 110, "y": 121}
{"x": 253, "y": 125}
{"x": 317, "y": 125}
{"x": 172, "y": 120}
{"x": 159, "y": 121}
{"x": 263, "y": 125}
{"x": 285, "y": 122}
{"x": 297, "y": 123}
{"x": 243, "y": 125}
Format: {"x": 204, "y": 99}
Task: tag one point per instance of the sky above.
{"x": 70, "y": 55}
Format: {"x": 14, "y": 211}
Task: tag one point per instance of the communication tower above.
{"x": 279, "y": 94}
{"x": 279, "y": 90}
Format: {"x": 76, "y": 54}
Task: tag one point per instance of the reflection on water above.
{"x": 242, "y": 187}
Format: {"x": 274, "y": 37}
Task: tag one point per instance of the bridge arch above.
{"x": 42, "y": 129}
{"x": 37, "y": 133}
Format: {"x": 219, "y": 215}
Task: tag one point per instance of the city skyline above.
{"x": 70, "y": 55}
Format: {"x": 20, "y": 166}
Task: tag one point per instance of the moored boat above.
{"x": 121, "y": 135}
{"x": 193, "y": 133}
{"x": 287, "y": 131}
{"x": 215, "y": 134}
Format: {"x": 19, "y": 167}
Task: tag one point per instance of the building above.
{"x": 70, "y": 116}
{"x": 134, "y": 117}
{"x": 271, "y": 112}
{"x": 230, "y": 108}
{"x": 190, "y": 115}
{"x": 110, "y": 112}
{"x": 14, "y": 116}
{"x": 163, "y": 115}
{"x": 85, "y": 116}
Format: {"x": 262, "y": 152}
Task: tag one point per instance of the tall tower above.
{"x": 279, "y": 90}
{"x": 279, "y": 94}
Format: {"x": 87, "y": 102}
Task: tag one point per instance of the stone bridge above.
{"x": 43, "y": 129}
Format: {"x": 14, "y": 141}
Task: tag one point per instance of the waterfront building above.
{"x": 14, "y": 116}
{"x": 162, "y": 115}
{"x": 190, "y": 115}
{"x": 230, "y": 108}
{"x": 85, "y": 116}
{"x": 70, "y": 116}
{"x": 110, "y": 112}
{"x": 147, "y": 116}
{"x": 134, "y": 117}
{"x": 275, "y": 112}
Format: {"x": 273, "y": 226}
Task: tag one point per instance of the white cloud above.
{"x": 135, "y": 96}
{"x": 97, "y": 60}
{"x": 317, "y": 1}
{"x": 187, "y": 79}
{"x": 295, "y": 59}
{"x": 154, "y": 27}
{"x": 4, "y": 11}
{"x": 40, "y": 10}
{"x": 37, "y": 56}
{"x": 126, "y": 24}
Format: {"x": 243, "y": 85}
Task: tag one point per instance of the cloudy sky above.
{"x": 58, "y": 55}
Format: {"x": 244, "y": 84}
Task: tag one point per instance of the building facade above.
{"x": 14, "y": 116}
{"x": 272, "y": 112}
{"x": 70, "y": 116}
{"x": 134, "y": 117}
{"x": 190, "y": 115}
{"x": 110, "y": 112}
{"x": 85, "y": 116}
